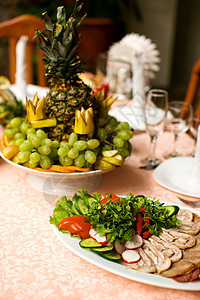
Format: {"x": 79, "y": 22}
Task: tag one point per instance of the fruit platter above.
{"x": 67, "y": 134}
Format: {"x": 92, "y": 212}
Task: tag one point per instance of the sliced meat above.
{"x": 160, "y": 260}
{"x": 170, "y": 250}
{"x": 185, "y": 215}
{"x": 192, "y": 276}
{"x": 179, "y": 239}
{"x": 188, "y": 227}
{"x": 145, "y": 264}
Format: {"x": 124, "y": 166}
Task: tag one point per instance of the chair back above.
{"x": 13, "y": 29}
{"x": 192, "y": 94}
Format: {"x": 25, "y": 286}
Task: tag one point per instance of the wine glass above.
{"x": 179, "y": 118}
{"x": 193, "y": 130}
{"x": 155, "y": 112}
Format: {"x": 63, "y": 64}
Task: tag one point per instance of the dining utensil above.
{"x": 155, "y": 112}
{"x": 193, "y": 203}
{"x": 179, "y": 118}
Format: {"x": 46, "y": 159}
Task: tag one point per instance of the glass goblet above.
{"x": 179, "y": 118}
{"x": 155, "y": 112}
{"x": 193, "y": 130}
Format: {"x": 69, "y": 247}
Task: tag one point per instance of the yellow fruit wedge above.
{"x": 104, "y": 165}
{"x": 109, "y": 152}
{"x": 16, "y": 159}
{"x": 10, "y": 151}
{"x": 43, "y": 123}
{"x": 117, "y": 159}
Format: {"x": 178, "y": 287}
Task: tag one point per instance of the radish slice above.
{"x": 130, "y": 256}
{"x": 135, "y": 243}
{"x": 119, "y": 247}
{"x": 96, "y": 236}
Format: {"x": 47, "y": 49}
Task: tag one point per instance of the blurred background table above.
{"x": 36, "y": 265}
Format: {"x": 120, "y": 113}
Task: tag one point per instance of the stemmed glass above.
{"x": 193, "y": 130}
{"x": 155, "y": 112}
{"x": 179, "y": 118}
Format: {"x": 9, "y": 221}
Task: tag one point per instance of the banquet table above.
{"x": 35, "y": 265}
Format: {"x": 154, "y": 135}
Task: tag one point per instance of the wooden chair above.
{"x": 13, "y": 29}
{"x": 192, "y": 94}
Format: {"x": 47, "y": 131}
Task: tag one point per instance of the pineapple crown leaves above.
{"x": 59, "y": 42}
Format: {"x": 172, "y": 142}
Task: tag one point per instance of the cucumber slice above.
{"x": 102, "y": 249}
{"x": 112, "y": 255}
{"x": 75, "y": 211}
{"x": 75, "y": 204}
{"x": 89, "y": 243}
{"x": 69, "y": 208}
{"x": 90, "y": 201}
{"x": 173, "y": 209}
{"x": 82, "y": 207}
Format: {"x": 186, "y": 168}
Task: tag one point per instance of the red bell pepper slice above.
{"x": 109, "y": 196}
{"x": 77, "y": 224}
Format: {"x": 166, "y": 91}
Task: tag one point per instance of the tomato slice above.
{"x": 109, "y": 196}
{"x": 77, "y": 224}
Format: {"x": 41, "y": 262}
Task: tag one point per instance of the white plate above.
{"x": 120, "y": 268}
{"x": 177, "y": 174}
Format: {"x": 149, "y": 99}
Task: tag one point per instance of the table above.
{"x": 35, "y": 265}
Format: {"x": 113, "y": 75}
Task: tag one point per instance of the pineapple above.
{"x": 68, "y": 93}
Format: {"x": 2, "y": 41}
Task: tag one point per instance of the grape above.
{"x": 124, "y": 135}
{"x": 32, "y": 164}
{"x": 88, "y": 165}
{"x": 45, "y": 162}
{"x": 109, "y": 128}
{"x": 16, "y": 122}
{"x": 80, "y": 161}
{"x": 73, "y": 153}
{"x": 36, "y": 141}
{"x": 93, "y": 143}
{"x": 123, "y": 125}
{"x": 113, "y": 121}
{"x": 13, "y": 142}
{"x": 26, "y": 146}
{"x": 9, "y": 132}
{"x": 123, "y": 151}
{"x": 64, "y": 143}
{"x": 44, "y": 150}
{"x": 53, "y": 153}
{"x": 101, "y": 133}
{"x": 90, "y": 157}
{"x": 23, "y": 156}
{"x": 107, "y": 147}
{"x": 30, "y": 130}
{"x": 72, "y": 138}
{"x": 35, "y": 157}
{"x": 63, "y": 151}
{"x": 41, "y": 134}
{"x": 30, "y": 136}
{"x": 118, "y": 142}
{"x": 80, "y": 145}
{"x": 18, "y": 142}
{"x": 130, "y": 133}
{"x": 24, "y": 127}
{"x": 47, "y": 142}
{"x": 55, "y": 144}
{"x": 65, "y": 161}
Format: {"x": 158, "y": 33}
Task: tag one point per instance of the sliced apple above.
{"x": 109, "y": 152}
{"x": 104, "y": 165}
{"x": 117, "y": 159}
{"x": 10, "y": 151}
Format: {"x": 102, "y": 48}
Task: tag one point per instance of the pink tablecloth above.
{"x": 34, "y": 264}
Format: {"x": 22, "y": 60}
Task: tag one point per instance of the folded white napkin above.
{"x": 21, "y": 68}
